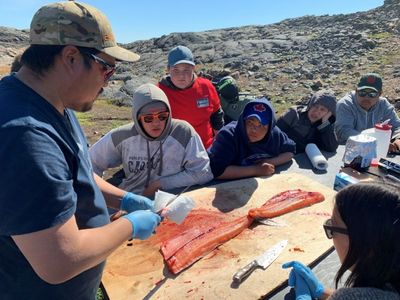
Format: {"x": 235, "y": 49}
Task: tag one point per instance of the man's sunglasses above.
{"x": 148, "y": 118}
{"x": 368, "y": 94}
{"x": 329, "y": 229}
{"x": 107, "y": 68}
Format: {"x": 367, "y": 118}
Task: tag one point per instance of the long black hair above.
{"x": 371, "y": 213}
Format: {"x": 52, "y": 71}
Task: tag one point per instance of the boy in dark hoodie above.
{"x": 251, "y": 146}
{"x": 312, "y": 123}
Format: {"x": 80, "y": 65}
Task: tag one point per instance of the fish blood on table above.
{"x": 182, "y": 250}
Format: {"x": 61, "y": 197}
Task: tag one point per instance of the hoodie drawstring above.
{"x": 149, "y": 163}
{"x": 161, "y": 160}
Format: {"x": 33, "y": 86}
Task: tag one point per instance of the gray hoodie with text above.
{"x": 177, "y": 157}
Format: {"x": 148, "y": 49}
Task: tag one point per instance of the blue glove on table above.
{"x": 132, "y": 202}
{"x": 303, "y": 280}
{"x": 144, "y": 222}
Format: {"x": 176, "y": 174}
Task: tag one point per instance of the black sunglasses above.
{"x": 108, "y": 68}
{"x": 329, "y": 229}
{"x": 368, "y": 94}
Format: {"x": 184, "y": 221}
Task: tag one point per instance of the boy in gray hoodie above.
{"x": 156, "y": 151}
{"x": 363, "y": 108}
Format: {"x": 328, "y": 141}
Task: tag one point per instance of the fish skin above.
{"x": 280, "y": 205}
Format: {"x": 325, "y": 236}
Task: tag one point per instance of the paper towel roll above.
{"x": 317, "y": 159}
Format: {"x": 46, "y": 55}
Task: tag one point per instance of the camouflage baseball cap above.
{"x": 78, "y": 24}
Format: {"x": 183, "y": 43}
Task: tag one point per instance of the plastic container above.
{"x": 382, "y": 133}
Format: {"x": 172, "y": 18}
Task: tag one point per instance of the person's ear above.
{"x": 70, "y": 54}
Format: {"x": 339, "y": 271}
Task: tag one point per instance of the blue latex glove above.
{"x": 301, "y": 275}
{"x": 144, "y": 222}
{"x": 132, "y": 202}
{"x": 300, "y": 286}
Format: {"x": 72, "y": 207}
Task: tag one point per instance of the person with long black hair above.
{"x": 365, "y": 229}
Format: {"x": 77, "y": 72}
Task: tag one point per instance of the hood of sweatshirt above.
{"x": 144, "y": 95}
{"x": 269, "y": 115}
{"x": 233, "y": 138}
{"x": 325, "y": 98}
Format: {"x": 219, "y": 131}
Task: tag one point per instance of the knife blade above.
{"x": 263, "y": 261}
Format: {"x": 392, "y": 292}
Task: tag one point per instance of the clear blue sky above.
{"x": 144, "y": 19}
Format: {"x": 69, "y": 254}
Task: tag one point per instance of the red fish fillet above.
{"x": 197, "y": 218}
{"x": 190, "y": 244}
{"x": 171, "y": 246}
{"x": 286, "y": 202}
{"x": 204, "y": 243}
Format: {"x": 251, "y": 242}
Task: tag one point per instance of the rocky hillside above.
{"x": 285, "y": 60}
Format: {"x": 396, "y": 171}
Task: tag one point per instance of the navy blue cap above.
{"x": 180, "y": 55}
{"x": 257, "y": 110}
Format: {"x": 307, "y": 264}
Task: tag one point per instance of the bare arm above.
{"x": 120, "y": 199}
{"x": 394, "y": 146}
{"x": 59, "y": 253}
{"x": 234, "y": 172}
{"x": 112, "y": 193}
{"x": 280, "y": 159}
{"x": 152, "y": 189}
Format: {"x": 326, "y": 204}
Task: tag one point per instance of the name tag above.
{"x": 203, "y": 102}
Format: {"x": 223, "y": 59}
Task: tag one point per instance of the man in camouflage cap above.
{"x": 55, "y": 232}
{"x": 79, "y": 24}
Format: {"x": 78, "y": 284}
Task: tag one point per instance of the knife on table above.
{"x": 263, "y": 261}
